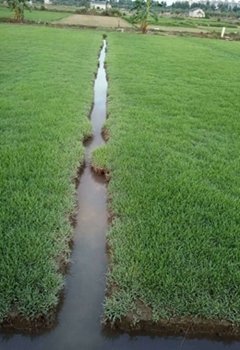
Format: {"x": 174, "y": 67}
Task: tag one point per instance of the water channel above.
{"x": 79, "y": 320}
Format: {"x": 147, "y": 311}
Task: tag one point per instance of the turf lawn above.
{"x": 174, "y": 159}
{"x": 46, "y": 91}
{"x": 35, "y": 15}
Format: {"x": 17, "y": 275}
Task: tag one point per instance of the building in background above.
{"x": 100, "y": 5}
{"x": 196, "y": 13}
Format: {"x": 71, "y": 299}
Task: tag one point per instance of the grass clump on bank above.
{"x": 174, "y": 159}
{"x": 46, "y": 93}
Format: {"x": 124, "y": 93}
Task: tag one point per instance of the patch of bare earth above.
{"x": 95, "y": 21}
{"x": 177, "y": 29}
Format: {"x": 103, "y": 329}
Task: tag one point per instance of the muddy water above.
{"x": 78, "y": 326}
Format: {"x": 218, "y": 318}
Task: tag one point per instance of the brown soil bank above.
{"x": 14, "y": 321}
{"x": 95, "y": 21}
{"x": 190, "y": 327}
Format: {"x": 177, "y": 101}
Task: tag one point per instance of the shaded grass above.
{"x": 174, "y": 158}
{"x": 46, "y": 93}
{"x": 35, "y": 15}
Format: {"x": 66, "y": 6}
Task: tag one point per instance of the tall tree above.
{"x": 18, "y": 6}
{"x": 143, "y": 13}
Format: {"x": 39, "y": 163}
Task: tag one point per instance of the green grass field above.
{"x": 193, "y": 24}
{"x": 35, "y": 15}
{"x": 209, "y": 25}
{"x": 46, "y": 92}
{"x": 174, "y": 159}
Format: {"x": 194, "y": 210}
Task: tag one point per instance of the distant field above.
{"x": 35, "y": 15}
{"x": 197, "y": 25}
{"x": 174, "y": 159}
{"x": 96, "y": 21}
{"x": 69, "y": 18}
{"x": 197, "y": 22}
{"x": 46, "y": 92}
{"x": 66, "y": 16}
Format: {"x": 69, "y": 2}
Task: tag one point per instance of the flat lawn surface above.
{"x": 46, "y": 92}
{"x": 96, "y": 21}
{"x": 35, "y": 15}
{"x": 174, "y": 158}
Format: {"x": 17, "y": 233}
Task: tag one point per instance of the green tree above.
{"x": 143, "y": 13}
{"x": 184, "y": 5}
{"x": 18, "y": 6}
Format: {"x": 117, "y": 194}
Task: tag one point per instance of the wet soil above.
{"x": 187, "y": 327}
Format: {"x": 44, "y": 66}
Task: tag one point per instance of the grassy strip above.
{"x": 181, "y": 23}
{"x": 195, "y": 23}
{"x": 46, "y": 94}
{"x": 174, "y": 158}
{"x": 35, "y": 15}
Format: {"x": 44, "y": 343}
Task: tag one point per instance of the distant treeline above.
{"x": 76, "y": 3}
{"x": 181, "y": 7}
{"x": 220, "y": 7}
{"x": 178, "y": 7}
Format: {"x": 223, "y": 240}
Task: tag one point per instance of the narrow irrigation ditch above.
{"x": 79, "y": 319}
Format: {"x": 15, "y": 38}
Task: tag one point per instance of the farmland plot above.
{"x": 173, "y": 156}
{"x": 46, "y": 93}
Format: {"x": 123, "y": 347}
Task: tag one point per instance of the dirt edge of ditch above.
{"x": 188, "y": 327}
{"x": 37, "y": 325}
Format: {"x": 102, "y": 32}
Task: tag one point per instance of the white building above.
{"x": 100, "y": 5}
{"x": 197, "y": 13}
